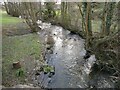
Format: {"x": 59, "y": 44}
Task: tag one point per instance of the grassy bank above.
{"x": 23, "y": 48}
{"x": 18, "y": 44}
{"x": 7, "y": 19}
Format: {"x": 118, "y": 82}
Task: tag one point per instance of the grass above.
{"x": 7, "y": 19}
{"x": 18, "y": 44}
{"x": 13, "y": 25}
{"x": 18, "y": 48}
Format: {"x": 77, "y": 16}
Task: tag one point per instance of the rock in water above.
{"x": 37, "y": 73}
{"x": 50, "y": 40}
{"x": 88, "y": 53}
{"x": 72, "y": 33}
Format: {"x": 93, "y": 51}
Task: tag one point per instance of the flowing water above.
{"x": 71, "y": 70}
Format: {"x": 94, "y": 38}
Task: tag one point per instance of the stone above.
{"x": 88, "y": 53}
{"x": 37, "y": 73}
{"x": 22, "y": 86}
{"x": 16, "y": 65}
{"x": 50, "y": 40}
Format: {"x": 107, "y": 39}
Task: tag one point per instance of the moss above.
{"x": 48, "y": 69}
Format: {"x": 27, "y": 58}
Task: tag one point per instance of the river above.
{"x": 71, "y": 69}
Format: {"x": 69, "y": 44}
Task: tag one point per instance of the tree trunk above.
{"x": 6, "y": 8}
{"x": 62, "y": 12}
{"x": 88, "y": 26}
{"x": 110, "y": 12}
{"x": 103, "y": 26}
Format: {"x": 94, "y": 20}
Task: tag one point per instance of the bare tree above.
{"x": 12, "y": 8}
{"x": 30, "y": 12}
{"x": 107, "y": 17}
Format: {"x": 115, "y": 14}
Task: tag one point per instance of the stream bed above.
{"x": 71, "y": 69}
